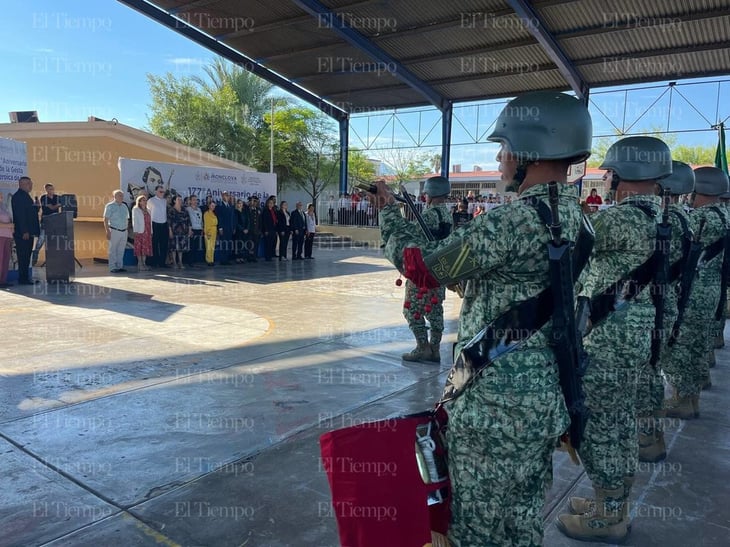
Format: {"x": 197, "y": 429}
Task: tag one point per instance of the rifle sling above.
{"x": 603, "y": 304}
{"x": 525, "y": 318}
{"x": 675, "y": 270}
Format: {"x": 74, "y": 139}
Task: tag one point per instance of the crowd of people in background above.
{"x": 354, "y": 209}
{"x": 167, "y": 230}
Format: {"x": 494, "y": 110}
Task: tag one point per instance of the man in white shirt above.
{"x": 157, "y": 205}
{"x": 116, "y": 220}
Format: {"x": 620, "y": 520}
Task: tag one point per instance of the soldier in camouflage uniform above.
{"x": 686, "y": 367}
{"x": 504, "y": 427}
{"x": 621, "y": 344}
{"x": 650, "y": 392}
{"x": 720, "y": 327}
{"x": 420, "y": 305}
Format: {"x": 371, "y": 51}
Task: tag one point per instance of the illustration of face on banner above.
{"x": 137, "y": 176}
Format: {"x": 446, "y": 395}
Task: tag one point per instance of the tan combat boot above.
{"x": 579, "y": 506}
{"x": 651, "y": 439}
{"x": 422, "y": 351}
{"x": 680, "y": 407}
{"x": 606, "y": 522}
{"x": 435, "y": 346}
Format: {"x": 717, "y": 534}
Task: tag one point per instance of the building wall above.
{"x": 82, "y": 160}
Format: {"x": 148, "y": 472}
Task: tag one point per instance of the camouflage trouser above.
{"x": 686, "y": 365}
{"x": 417, "y": 305}
{"x": 650, "y": 386}
{"x": 617, "y": 348}
{"x": 501, "y": 436}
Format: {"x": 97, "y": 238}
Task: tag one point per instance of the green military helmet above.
{"x": 639, "y": 159}
{"x": 545, "y": 125}
{"x": 681, "y": 181}
{"x": 726, "y": 195}
{"x": 436, "y": 187}
{"x": 710, "y": 181}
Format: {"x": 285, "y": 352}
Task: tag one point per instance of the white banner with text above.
{"x": 192, "y": 180}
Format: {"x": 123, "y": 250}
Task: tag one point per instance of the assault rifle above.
{"x": 687, "y": 280}
{"x": 565, "y": 338}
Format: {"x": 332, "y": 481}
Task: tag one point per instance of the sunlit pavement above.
{"x": 183, "y": 407}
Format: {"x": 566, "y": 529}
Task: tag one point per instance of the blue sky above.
{"x": 69, "y": 59}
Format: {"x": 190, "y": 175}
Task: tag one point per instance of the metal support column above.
{"x": 344, "y": 146}
{"x": 446, "y": 115}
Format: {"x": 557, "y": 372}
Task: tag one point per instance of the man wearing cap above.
{"x": 650, "y": 389}
{"x": 619, "y": 343}
{"x": 420, "y": 305}
{"x": 687, "y": 366}
{"x": 504, "y": 426}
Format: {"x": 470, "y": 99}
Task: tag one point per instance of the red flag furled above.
{"x": 389, "y": 481}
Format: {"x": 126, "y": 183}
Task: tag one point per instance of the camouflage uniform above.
{"x": 415, "y": 302}
{"x": 502, "y": 429}
{"x": 650, "y": 389}
{"x": 719, "y": 341}
{"x": 686, "y": 365}
{"x": 620, "y": 346}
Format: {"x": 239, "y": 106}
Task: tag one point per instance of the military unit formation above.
{"x": 571, "y": 329}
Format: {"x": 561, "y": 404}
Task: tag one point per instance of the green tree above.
{"x": 252, "y": 92}
{"x": 211, "y": 121}
{"x": 306, "y": 149}
{"x": 694, "y": 155}
{"x": 359, "y": 167}
{"x": 407, "y": 163}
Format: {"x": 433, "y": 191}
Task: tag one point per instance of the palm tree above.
{"x": 252, "y": 91}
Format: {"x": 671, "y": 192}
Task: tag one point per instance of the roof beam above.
{"x": 550, "y": 67}
{"x": 280, "y": 23}
{"x": 529, "y": 17}
{"x": 154, "y": 12}
{"x": 192, "y": 5}
{"x": 343, "y": 29}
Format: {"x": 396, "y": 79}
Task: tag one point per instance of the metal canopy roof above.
{"x": 369, "y": 54}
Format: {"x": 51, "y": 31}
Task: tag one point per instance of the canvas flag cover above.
{"x": 379, "y": 496}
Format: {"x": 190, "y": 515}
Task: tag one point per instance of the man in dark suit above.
{"x": 27, "y": 227}
{"x": 226, "y": 212}
{"x": 298, "y": 224}
{"x": 254, "y": 229}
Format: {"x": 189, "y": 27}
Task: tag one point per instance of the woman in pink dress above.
{"x": 6, "y": 241}
{"x": 142, "y": 227}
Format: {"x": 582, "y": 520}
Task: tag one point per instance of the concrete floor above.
{"x": 184, "y": 408}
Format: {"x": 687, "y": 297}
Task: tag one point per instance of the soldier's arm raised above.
{"x": 467, "y": 252}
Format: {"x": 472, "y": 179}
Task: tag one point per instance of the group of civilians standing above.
{"x": 172, "y": 231}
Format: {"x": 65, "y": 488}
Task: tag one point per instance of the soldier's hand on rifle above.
{"x": 384, "y": 196}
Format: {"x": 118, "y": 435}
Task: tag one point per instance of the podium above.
{"x": 60, "y": 261}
